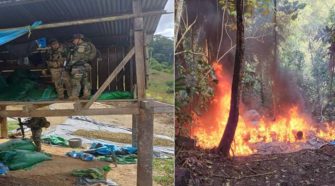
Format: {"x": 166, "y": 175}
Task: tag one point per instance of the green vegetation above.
{"x": 164, "y": 67}
{"x": 161, "y": 74}
{"x": 161, "y": 86}
{"x": 12, "y": 125}
{"x": 161, "y": 49}
{"x": 164, "y": 171}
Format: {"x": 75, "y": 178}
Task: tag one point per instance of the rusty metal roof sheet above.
{"x": 15, "y": 13}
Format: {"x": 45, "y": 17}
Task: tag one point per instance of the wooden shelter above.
{"x": 120, "y": 29}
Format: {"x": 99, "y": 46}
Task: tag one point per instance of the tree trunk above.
{"x": 275, "y": 62}
{"x": 230, "y": 129}
{"x": 331, "y": 76}
{"x": 178, "y": 14}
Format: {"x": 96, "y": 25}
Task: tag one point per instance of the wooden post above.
{"x": 139, "y": 49}
{"x": 135, "y": 118}
{"x": 3, "y": 123}
{"x": 145, "y": 144}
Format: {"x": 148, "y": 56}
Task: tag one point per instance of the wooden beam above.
{"x": 69, "y": 112}
{"x": 139, "y": 49}
{"x": 160, "y": 107}
{"x": 158, "y": 110}
{"x": 3, "y": 123}
{"x": 110, "y": 78}
{"x": 145, "y": 145}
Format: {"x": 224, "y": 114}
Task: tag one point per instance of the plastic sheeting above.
{"x": 73, "y": 124}
{"x": 20, "y": 154}
{"x": 22, "y": 85}
{"x": 55, "y": 140}
{"x": 21, "y": 159}
{"x": 18, "y": 144}
{"x": 81, "y": 155}
{"x": 120, "y": 159}
{"x": 7, "y": 35}
{"x": 109, "y": 149}
{"x": 93, "y": 173}
{"x": 115, "y": 95}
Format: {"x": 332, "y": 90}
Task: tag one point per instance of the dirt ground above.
{"x": 58, "y": 171}
{"x": 305, "y": 167}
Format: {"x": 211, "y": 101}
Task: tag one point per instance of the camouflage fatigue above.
{"x": 36, "y": 124}
{"x": 81, "y": 69}
{"x": 79, "y": 78}
{"x": 36, "y": 136}
{"x": 59, "y": 76}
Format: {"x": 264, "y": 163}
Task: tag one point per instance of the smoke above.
{"x": 285, "y": 90}
{"x": 279, "y": 85}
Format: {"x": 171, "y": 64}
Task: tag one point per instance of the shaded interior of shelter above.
{"x": 113, "y": 40}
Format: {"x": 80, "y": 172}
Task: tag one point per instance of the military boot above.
{"x": 38, "y": 146}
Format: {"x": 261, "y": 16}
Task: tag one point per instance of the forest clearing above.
{"x": 254, "y": 92}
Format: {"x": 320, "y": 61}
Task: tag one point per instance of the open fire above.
{"x": 292, "y": 128}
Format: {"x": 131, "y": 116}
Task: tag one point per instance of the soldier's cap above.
{"x": 52, "y": 41}
{"x": 78, "y": 36}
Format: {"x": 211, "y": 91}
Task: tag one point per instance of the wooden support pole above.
{"x": 3, "y": 123}
{"x": 139, "y": 49}
{"x": 135, "y": 119}
{"x": 110, "y": 78}
{"x": 145, "y": 130}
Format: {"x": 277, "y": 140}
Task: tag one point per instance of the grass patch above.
{"x": 163, "y": 171}
{"x": 12, "y": 125}
{"x": 119, "y": 137}
{"x": 161, "y": 86}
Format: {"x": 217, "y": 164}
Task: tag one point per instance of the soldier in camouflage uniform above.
{"x": 36, "y": 124}
{"x": 80, "y": 67}
{"x": 60, "y": 77}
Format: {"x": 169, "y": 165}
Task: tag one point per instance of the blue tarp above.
{"x": 7, "y": 35}
{"x": 109, "y": 149}
{"x": 80, "y": 155}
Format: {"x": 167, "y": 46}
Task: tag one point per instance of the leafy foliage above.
{"x": 161, "y": 69}
{"x": 160, "y": 66}
{"x": 194, "y": 88}
{"x": 304, "y": 51}
{"x": 161, "y": 49}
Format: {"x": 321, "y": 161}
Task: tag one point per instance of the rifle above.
{"x": 21, "y": 127}
{"x": 63, "y": 68}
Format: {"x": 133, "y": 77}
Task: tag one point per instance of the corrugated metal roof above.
{"x": 14, "y": 14}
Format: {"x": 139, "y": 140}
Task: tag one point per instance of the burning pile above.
{"x": 292, "y": 128}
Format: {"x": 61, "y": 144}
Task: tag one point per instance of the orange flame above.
{"x": 288, "y": 127}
